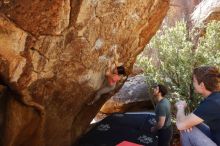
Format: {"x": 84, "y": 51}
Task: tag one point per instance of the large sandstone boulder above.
{"x": 53, "y": 56}
{"x": 206, "y": 11}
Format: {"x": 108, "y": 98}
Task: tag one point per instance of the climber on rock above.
{"x": 112, "y": 77}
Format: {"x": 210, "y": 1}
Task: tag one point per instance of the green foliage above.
{"x": 176, "y": 58}
{"x": 208, "y": 51}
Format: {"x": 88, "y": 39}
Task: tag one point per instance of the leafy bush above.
{"x": 176, "y": 57}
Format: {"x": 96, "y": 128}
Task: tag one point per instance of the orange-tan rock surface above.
{"x": 53, "y": 57}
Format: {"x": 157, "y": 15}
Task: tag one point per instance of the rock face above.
{"x": 206, "y": 11}
{"x": 180, "y": 10}
{"x": 53, "y": 57}
{"x": 132, "y": 96}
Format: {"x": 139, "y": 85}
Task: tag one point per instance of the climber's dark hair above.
{"x": 121, "y": 70}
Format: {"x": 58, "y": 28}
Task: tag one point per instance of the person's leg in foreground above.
{"x": 195, "y": 138}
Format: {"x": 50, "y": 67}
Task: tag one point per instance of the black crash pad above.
{"x": 118, "y": 127}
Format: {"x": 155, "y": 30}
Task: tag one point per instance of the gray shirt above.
{"x": 163, "y": 108}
